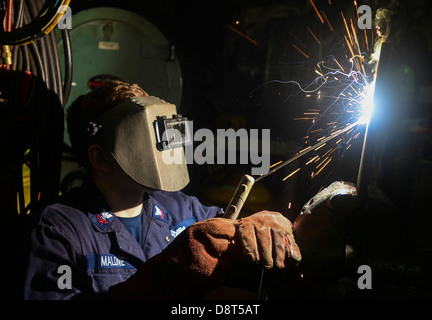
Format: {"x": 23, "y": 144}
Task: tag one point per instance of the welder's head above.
{"x": 129, "y": 124}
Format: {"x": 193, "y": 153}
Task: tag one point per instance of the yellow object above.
{"x": 26, "y": 188}
{"x": 6, "y": 55}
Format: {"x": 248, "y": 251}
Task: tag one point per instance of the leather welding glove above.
{"x": 197, "y": 260}
{"x": 266, "y": 238}
{"x": 200, "y": 258}
{"x": 320, "y": 231}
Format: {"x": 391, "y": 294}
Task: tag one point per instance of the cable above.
{"x": 43, "y": 23}
{"x": 67, "y": 49}
{"x": 18, "y": 15}
{"x": 32, "y": 114}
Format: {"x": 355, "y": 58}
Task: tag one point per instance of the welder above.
{"x": 129, "y": 231}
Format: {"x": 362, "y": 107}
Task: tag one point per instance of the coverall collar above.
{"x": 105, "y": 221}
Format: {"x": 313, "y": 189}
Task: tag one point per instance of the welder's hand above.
{"x": 266, "y": 238}
{"x": 205, "y": 248}
{"x": 197, "y": 260}
{"x": 320, "y": 232}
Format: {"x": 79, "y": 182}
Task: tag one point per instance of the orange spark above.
{"x": 298, "y": 40}
{"x": 349, "y": 46}
{"x": 320, "y": 146}
{"x": 242, "y": 34}
{"x": 313, "y": 35}
{"x": 273, "y": 165}
{"x": 301, "y": 151}
{"x": 312, "y": 160}
{"x": 355, "y": 35}
{"x": 291, "y": 174}
{"x": 347, "y": 30}
{"x": 298, "y": 49}
{"x": 327, "y": 20}
{"x": 366, "y": 39}
{"x": 316, "y": 10}
{"x": 328, "y": 161}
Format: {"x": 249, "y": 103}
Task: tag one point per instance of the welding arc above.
{"x": 307, "y": 150}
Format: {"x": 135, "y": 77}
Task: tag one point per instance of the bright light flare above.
{"x": 367, "y": 104}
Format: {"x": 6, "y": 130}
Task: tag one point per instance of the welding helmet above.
{"x": 142, "y": 133}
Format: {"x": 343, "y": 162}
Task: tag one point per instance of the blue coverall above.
{"x": 81, "y": 233}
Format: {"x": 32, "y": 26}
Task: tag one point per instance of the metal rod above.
{"x": 360, "y": 170}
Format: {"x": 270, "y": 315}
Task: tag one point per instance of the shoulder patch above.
{"x": 102, "y": 220}
{"x": 159, "y": 213}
